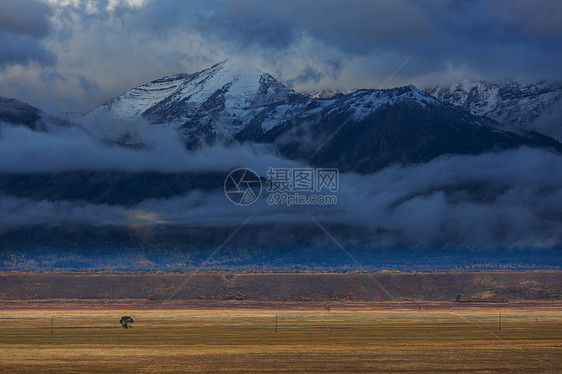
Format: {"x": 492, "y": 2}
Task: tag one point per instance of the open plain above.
{"x": 304, "y": 334}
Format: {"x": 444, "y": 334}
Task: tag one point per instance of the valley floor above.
{"x": 244, "y": 337}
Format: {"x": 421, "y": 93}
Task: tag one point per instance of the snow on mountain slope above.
{"x": 328, "y": 93}
{"x": 136, "y": 101}
{"x": 225, "y": 98}
{"x": 380, "y": 127}
{"x": 364, "y": 102}
{"x": 509, "y": 103}
{"x": 230, "y": 98}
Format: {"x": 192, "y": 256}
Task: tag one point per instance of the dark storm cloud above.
{"x": 352, "y": 26}
{"x": 87, "y": 84}
{"x": 51, "y": 76}
{"x": 313, "y": 44}
{"x": 262, "y": 24}
{"x": 28, "y": 17}
{"x": 501, "y": 39}
{"x": 22, "y": 24}
{"x": 21, "y": 49}
{"x": 242, "y": 24}
{"x": 539, "y": 18}
{"x": 362, "y": 26}
{"x": 308, "y": 74}
{"x": 443, "y": 29}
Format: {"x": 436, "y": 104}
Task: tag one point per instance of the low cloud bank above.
{"x": 507, "y": 199}
{"x": 110, "y": 144}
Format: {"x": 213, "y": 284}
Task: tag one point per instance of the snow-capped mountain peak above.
{"x": 226, "y": 95}
{"x": 230, "y": 96}
{"x": 243, "y": 86}
{"x": 236, "y": 100}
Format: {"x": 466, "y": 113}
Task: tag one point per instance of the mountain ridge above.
{"x": 510, "y": 102}
{"x": 362, "y": 131}
{"x": 228, "y": 98}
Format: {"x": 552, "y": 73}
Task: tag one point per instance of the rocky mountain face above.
{"x": 15, "y": 112}
{"x": 510, "y": 103}
{"x": 216, "y": 103}
{"x": 398, "y": 133}
{"x": 362, "y": 131}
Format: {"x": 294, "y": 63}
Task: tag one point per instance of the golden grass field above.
{"x": 309, "y": 339}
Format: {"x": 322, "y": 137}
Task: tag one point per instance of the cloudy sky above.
{"x": 73, "y": 55}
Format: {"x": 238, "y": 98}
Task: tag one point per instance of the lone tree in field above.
{"x": 125, "y": 321}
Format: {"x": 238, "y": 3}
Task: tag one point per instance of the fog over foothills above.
{"x": 73, "y": 55}
{"x": 509, "y": 198}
